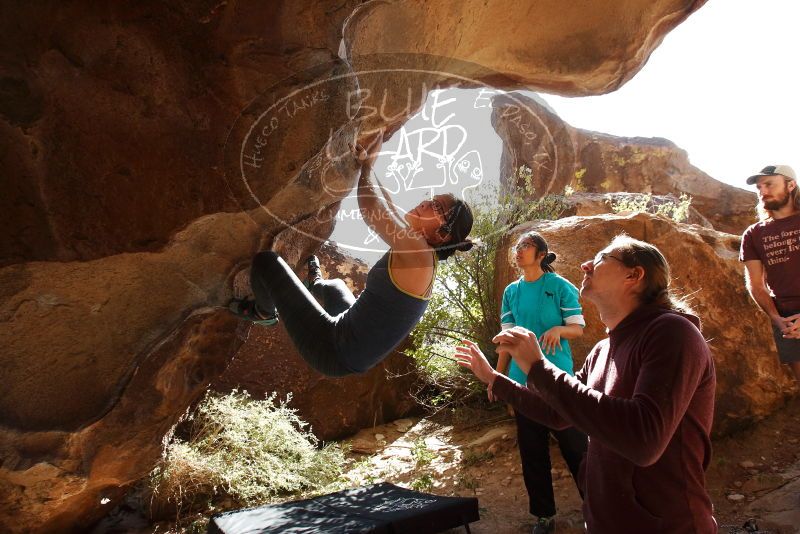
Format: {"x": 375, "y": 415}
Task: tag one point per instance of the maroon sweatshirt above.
{"x": 645, "y": 397}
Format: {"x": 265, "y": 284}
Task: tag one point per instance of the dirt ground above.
{"x": 754, "y": 474}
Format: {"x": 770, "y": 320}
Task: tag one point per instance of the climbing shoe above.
{"x": 246, "y": 309}
{"x": 545, "y": 525}
{"x": 314, "y": 273}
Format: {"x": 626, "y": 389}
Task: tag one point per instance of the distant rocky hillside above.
{"x": 560, "y": 156}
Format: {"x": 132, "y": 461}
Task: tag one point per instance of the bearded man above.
{"x": 770, "y": 252}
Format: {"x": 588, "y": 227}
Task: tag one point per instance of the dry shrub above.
{"x": 241, "y": 452}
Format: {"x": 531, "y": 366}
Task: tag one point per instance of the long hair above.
{"x": 539, "y": 242}
{"x": 458, "y": 225}
{"x": 657, "y": 278}
{"x": 794, "y": 199}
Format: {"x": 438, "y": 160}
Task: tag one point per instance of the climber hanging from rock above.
{"x": 350, "y": 335}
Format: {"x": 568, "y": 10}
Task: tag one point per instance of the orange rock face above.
{"x": 126, "y": 129}
{"x": 115, "y": 121}
{"x": 57, "y": 478}
{"x": 569, "y": 49}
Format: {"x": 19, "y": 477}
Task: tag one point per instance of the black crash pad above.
{"x": 380, "y": 508}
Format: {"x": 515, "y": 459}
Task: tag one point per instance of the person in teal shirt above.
{"x": 546, "y": 304}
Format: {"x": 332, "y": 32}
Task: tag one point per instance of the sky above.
{"x": 722, "y": 86}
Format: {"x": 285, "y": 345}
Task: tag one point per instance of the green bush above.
{"x": 423, "y": 483}
{"x": 243, "y": 451}
{"x": 421, "y": 453}
{"x": 673, "y": 208}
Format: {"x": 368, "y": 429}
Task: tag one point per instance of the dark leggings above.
{"x": 312, "y": 327}
{"x": 534, "y": 450}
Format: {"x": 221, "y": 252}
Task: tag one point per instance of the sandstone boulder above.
{"x": 569, "y": 49}
{"x": 560, "y": 156}
{"x": 103, "y": 357}
{"x": 116, "y": 121}
{"x": 58, "y": 480}
{"x": 750, "y": 382}
{"x": 100, "y": 360}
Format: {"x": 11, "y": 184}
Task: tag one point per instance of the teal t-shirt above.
{"x": 538, "y": 306}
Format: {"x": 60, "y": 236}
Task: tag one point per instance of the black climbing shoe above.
{"x": 247, "y": 310}
{"x": 750, "y": 525}
{"x": 545, "y": 525}
{"x": 314, "y": 274}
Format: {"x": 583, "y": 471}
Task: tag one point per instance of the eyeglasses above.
{"x": 601, "y": 256}
{"x": 437, "y": 207}
{"x": 524, "y": 246}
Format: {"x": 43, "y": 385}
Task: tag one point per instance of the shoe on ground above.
{"x": 314, "y": 272}
{"x": 545, "y": 525}
{"x": 241, "y": 285}
{"x": 246, "y": 309}
{"x": 750, "y": 525}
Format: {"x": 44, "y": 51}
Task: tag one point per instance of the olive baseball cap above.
{"x": 772, "y": 170}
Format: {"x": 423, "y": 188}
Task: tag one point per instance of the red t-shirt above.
{"x": 776, "y": 243}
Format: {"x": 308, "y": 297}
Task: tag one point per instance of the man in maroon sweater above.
{"x": 645, "y": 397}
